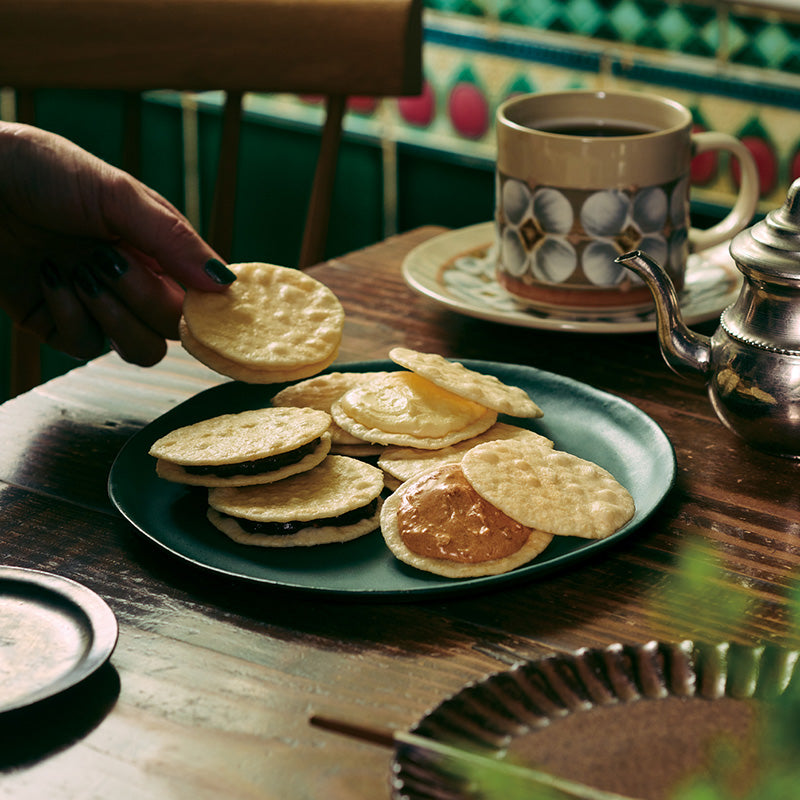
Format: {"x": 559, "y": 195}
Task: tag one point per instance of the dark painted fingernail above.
{"x": 218, "y": 272}
{"x": 86, "y": 279}
{"x": 51, "y": 274}
{"x": 109, "y": 262}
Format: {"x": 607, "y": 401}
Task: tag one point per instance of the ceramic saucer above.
{"x": 456, "y": 269}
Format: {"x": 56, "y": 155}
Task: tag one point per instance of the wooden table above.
{"x": 209, "y": 691}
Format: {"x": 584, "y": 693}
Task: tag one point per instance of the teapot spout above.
{"x": 682, "y": 348}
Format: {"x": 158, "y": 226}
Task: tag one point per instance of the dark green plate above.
{"x": 587, "y": 422}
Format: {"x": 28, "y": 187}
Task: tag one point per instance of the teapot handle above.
{"x": 749, "y": 190}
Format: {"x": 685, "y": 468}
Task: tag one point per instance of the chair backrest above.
{"x": 333, "y": 48}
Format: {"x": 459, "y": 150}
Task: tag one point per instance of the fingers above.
{"x": 63, "y": 321}
{"x": 156, "y": 299}
{"x": 132, "y": 338}
{"x": 151, "y": 225}
{"x": 82, "y": 309}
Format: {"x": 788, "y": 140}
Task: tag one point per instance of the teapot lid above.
{"x": 772, "y": 246}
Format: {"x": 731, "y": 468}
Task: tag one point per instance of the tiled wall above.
{"x": 735, "y": 65}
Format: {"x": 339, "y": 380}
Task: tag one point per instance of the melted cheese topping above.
{"x": 442, "y": 516}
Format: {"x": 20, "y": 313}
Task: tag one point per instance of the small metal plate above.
{"x": 54, "y": 632}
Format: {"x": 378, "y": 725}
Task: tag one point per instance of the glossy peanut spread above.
{"x": 442, "y": 516}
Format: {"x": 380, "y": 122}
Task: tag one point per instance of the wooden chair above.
{"x": 333, "y": 48}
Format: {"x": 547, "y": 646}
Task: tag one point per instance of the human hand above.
{"x": 89, "y": 254}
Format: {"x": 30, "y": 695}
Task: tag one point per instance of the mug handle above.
{"x": 749, "y": 190}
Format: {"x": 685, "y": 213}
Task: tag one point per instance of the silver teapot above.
{"x": 752, "y": 361}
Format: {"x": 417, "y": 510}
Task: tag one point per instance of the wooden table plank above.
{"x": 210, "y": 688}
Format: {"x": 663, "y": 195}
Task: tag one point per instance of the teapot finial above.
{"x": 791, "y": 207}
{"x": 772, "y": 246}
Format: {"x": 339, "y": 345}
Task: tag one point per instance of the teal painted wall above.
{"x": 274, "y": 182}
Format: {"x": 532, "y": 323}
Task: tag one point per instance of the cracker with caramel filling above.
{"x": 335, "y": 502}
{"x": 272, "y": 324}
{"x": 438, "y": 523}
{"x": 403, "y": 408}
{"x": 250, "y": 447}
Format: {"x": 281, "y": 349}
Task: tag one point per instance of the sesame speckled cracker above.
{"x": 485, "y": 389}
{"x": 228, "y": 449}
{"x": 310, "y": 506}
{"x": 548, "y": 489}
{"x": 272, "y": 324}
{"x": 405, "y": 409}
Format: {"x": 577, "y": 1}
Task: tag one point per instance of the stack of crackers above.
{"x": 417, "y": 451}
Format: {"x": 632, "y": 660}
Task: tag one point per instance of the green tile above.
{"x": 674, "y": 28}
{"x": 584, "y": 16}
{"x": 629, "y": 21}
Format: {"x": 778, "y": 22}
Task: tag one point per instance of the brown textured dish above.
{"x": 634, "y": 720}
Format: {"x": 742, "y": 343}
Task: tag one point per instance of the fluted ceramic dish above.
{"x": 634, "y": 720}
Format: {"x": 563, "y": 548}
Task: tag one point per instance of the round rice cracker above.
{"x": 272, "y": 321}
{"x": 321, "y": 392}
{"x": 548, "y": 489}
{"x": 178, "y": 474}
{"x": 390, "y": 529}
{"x": 240, "y": 372}
{"x": 245, "y": 436}
{"x": 479, "y": 387}
{"x": 338, "y": 485}
{"x": 403, "y": 463}
{"x": 405, "y": 409}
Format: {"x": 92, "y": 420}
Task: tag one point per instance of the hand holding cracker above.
{"x": 272, "y": 324}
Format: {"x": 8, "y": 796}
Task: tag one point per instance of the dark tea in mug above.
{"x": 594, "y": 128}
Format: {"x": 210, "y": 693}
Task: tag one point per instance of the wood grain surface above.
{"x": 209, "y": 691}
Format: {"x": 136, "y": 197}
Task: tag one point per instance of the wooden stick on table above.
{"x": 386, "y": 738}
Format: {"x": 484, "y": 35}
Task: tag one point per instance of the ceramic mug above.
{"x": 584, "y": 176}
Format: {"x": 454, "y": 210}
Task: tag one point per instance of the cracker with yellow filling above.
{"x": 249, "y": 447}
{"x": 272, "y": 324}
{"x": 548, "y": 489}
{"x": 488, "y": 390}
{"x": 405, "y": 409}
{"x": 335, "y": 502}
{"x": 437, "y": 523}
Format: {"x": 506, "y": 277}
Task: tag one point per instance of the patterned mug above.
{"x": 584, "y": 176}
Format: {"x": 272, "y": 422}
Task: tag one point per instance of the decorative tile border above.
{"x": 720, "y": 59}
